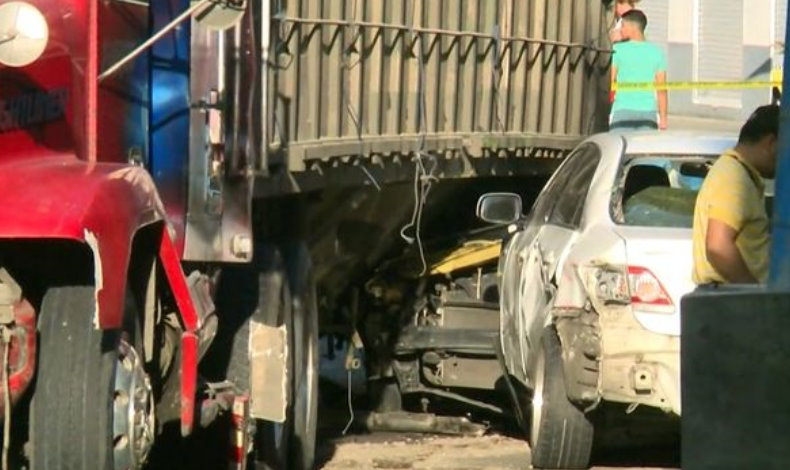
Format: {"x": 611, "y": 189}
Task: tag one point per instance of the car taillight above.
{"x": 609, "y": 284}
{"x": 647, "y": 291}
{"x": 633, "y": 285}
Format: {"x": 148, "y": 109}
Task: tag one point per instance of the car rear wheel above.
{"x": 561, "y": 435}
{"x": 93, "y": 406}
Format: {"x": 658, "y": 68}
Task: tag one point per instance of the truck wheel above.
{"x": 561, "y": 434}
{"x": 305, "y": 377}
{"x": 275, "y": 308}
{"x": 284, "y": 294}
{"x": 93, "y": 406}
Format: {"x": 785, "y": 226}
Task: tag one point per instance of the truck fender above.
{"x": 101, "y": 205}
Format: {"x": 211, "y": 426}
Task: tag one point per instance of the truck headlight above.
{"x": 23, "y": 34}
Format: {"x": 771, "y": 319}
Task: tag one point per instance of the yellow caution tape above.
{"x": 777, "y": 75}
{"x": 732, "y": 85}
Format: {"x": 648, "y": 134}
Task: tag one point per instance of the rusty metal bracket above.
{"x": 10, "y": 294}
{"x": 401, "y": 421}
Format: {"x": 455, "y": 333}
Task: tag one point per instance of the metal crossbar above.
{"x": 437, "y": 31}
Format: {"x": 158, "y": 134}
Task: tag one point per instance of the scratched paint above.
{"x": 93, "y": 243}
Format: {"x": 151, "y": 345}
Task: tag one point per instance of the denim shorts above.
{"x": 633, "y": 120}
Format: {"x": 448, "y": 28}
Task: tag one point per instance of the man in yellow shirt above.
{"x": 731, "y": 226}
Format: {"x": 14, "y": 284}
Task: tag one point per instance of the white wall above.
{"x": 681, "y": 20}
{"x": 755, "y": 26}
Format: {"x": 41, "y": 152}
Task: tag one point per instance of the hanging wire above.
{"x": 6, "y": 340}
{"x": 423, "y": 177}
{"x": 350, "y": 405}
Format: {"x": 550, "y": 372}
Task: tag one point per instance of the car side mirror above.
{"x": 499, "y": 208}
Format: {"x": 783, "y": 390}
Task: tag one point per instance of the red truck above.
{"x": 185, "y": 182}
{"x": 96, "y": 304}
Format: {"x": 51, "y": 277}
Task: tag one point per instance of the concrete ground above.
{"x": 643, "y": 439}
{"x": 421, "y": 452}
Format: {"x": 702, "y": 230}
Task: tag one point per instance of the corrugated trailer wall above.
{"x": 351, "y": 78}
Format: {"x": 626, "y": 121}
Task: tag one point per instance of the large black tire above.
{"x": 72, "y": 414}
{"x": 281, "y": 288}
{"x": 561, "y": 434}
{"x": 304, "y": 408}
{"x": 275, "y": 308}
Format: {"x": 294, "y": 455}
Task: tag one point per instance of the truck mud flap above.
{"x": 268, "y": 372}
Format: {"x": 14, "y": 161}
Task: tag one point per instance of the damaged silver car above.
{"x": 591, "y": 281}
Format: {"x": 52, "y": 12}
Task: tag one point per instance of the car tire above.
{"x": 561, "y": 435}
{"x": 89, "y": 381}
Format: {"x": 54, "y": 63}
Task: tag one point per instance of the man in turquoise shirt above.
{"x": 638, "y": 61}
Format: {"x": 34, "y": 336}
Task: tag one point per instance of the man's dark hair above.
{"x": 763, "y": 121}
{"x": 636, "y": 17}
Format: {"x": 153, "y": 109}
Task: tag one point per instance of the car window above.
{"x": 570, "y": 202}
{"x": 545, "y": 202}
{"x": 656, "y": 191}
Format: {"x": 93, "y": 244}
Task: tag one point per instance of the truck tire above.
{"x": 89, "y": 382}
{"x": 306, "y": 356}
{"x": 281, "y": 288}
{"x": 561, "y": 435}
{"x": 274, "y": 308}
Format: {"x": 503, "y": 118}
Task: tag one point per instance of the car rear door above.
{"x": 536, "y": 251}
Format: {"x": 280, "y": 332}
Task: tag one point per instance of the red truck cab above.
{"x": 86, "y": 252}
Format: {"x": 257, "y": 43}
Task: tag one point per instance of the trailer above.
{"x": 195, "y": 191}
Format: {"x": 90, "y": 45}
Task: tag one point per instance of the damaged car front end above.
{"x": 441, "y": 350}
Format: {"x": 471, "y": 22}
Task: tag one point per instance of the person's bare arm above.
{"x": 612, "y": 81}
{"x": 615, "y": 35}
{"x": 661, "y": 79}
{"x": 723, "y": 253}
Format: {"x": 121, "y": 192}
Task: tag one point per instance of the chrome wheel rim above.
{"x": 537, "y": 398}
{"x": 133, "y": 410}
{"x": 307, "y": 390}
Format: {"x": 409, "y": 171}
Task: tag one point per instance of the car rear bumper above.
{"x": 639, "y": 366}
